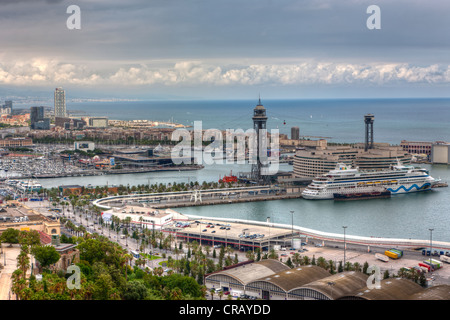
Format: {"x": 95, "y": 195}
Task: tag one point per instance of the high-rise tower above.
{"x": 295, "y": 133}
{"x": 259, "y": 125}
{"x": 368, "y": 120}
{"x": 60, "y": 103}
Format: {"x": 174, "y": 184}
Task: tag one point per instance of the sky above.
{"x": 225, "y": 49}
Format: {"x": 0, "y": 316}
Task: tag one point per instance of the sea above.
{"x": 408, "y": 216}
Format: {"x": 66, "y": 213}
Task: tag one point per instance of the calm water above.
{"x": 342, "y": 120}
{"x": 402, "y": 216}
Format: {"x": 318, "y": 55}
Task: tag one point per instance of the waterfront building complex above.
{"x": 16, "y": 142}
{"x": 60, "y": 103}
{"x": 417, "y": 147}
{"x": 314, "y": 161}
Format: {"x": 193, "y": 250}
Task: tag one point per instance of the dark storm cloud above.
{"x": 229, "y": 29}
{"x": 224, "y": 42}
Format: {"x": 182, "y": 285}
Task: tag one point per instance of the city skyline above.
{"x": 202, "y": 50}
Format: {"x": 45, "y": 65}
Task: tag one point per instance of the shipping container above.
{"x": 391, "y": 254}
{"x": 398, "y": 252}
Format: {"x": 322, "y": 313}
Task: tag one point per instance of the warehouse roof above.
{"x": 441, "y": 292}
{"x": 296, "y": 277}
{"x": 340, "y": 284}
{"x": 250, "y": 272}
{"x": 389, "y": 289}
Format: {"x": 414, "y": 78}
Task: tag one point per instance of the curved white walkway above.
{"x": 326, "y": 236}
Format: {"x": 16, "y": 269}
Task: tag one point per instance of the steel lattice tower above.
{"x": 368, "y": 120}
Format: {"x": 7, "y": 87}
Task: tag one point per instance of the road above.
{"x": 6, "y": 272}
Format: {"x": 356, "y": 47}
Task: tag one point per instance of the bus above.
{"x": 135, "y": 254}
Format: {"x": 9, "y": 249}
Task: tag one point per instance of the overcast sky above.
{"x": 216, "y": 49}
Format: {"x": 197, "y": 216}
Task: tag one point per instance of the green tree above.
{"x": 45, "y": 255}
{"x": 10, "y": 236}
{"x": 365, "y": 267}
{"x": 340, "y": 267}
{"x": 422, "y": 280}
{"x": 135, "y": 290}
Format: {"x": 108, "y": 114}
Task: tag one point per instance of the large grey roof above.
{"x": 250, "y": 272}
{"x": 389, "y": 289}
{"x": 296, "y": 277}
{"x": 441, "y": 292}
{"x": 340, "y": 284}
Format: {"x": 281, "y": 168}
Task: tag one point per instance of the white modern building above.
{"x": 145, "y": 217}
{"x": 84, "y": 145}
{"x": 60, "y": 103}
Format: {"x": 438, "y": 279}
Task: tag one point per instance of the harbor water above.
{"x": 341, "y": 120}
{"x": 401, "y": 216}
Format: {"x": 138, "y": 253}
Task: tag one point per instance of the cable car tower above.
{"x": 259, "y": 125}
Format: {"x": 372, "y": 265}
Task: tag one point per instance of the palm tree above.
{"x": 321, "y": 262}
{"x": 348, "y": 266}
{"x": 306, "y": 260}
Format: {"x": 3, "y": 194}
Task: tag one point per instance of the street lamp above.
{"x": 345, "y": 244}
{"x": 431, "y": 242}
{"x": 292, "y": 229}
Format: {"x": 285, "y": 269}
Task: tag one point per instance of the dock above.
{"x": 200, "y": 197}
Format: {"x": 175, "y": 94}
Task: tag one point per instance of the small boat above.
{"x": 229, "y": 178}
{"x": 382, "y": 257}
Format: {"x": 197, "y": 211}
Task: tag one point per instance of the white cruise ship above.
{"x": 344, "y": 179}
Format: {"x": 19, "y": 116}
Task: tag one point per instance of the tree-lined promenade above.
{"x": 109, "y": 270}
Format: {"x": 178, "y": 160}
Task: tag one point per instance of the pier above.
{"x": 202, "y": 197}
